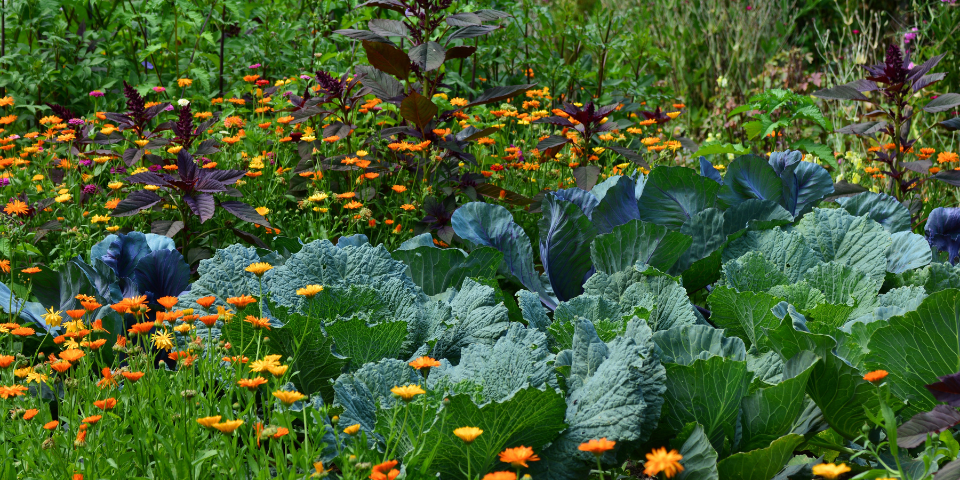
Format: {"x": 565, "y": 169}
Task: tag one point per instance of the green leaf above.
{"x": 754, "y": 273}
{"x": 365, "y": 342}
{"x": 531, "y": 417}
{"x": 788, "y": 251}
{"x": 770, "y": 413}
{"x": 907, "y": 252}
{"x": 762, "y": 464}
{"x": 801, "y": 295}
{"x": 838, "y": 236}
{"x": 699, "y": 457}
{"x": 843, "y": 285}
{"x": 673, "y": 195}
{"x": 749, "y": 177}
{"x": 637, "y": 241}
{"x": 315, "y": 361}
{"x": 417, "y": 109}
{"x": 684, "y": 345}
{"x": 918, "y": 347}
{"x": 437, "y": 269}
{"x": 708, "y": 392}
{"x": 882, "y": 208}
{"x": 721, "y": 148}
{"x": 743, "y": 314}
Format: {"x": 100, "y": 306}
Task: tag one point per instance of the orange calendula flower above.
{"x": 500, "y": 476}
{"x": 258, "y": 322}
{"x": 23, "y": 332}
{"x": 385, "y": 471}
{"x": 407, "y": 392}
{"x": 875, "y": 376}
{"x": 93, "y": 419}
{"x": 468, "y": 434}
{"x": 107, "y": 379}
{"x": 168, "y": 302}
{"x": 251, "y": 383}
{"x": 288, "y": 397}
{"x": 29, "y": 414}
{"x": 16, "y": 207}
{"x": 208, "y": 422}
{"x": 352, "y": 429}
{"x": 76, "y": 314}
{"x": 259, "y": 268}
{"x": 6, "y": 360}
{"x": 72, "y": 355}
{"x": 142, "y": 328}
{"x": 519, "y": 456}
{"x": 310, "y": 290}
{"x": 51, "y": 425}
{"x": 424, "y": 362}
{"x": 660, "y": 460}
{"x": 12, "y": 391}
{"x": 597, "y": 447}
{"x": 205, "y": 302}
{"x": 353, "y": 205}
{"x": 228, "y": 426}
{"x": 830, "y": 470}
{"x": 132, "y": 377}
{"x": 241, "y": 301}
{"x": 31, "y": 270}
{"x": 106, "y": 404}
{"x": 947, "y": 157}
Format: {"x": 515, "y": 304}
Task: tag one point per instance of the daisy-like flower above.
{"x": 468, "y": 434}
{"x": 16, "y": 207}
{"x": 208, "y": 422}
{"x": 162, "y": 340}
{"x": 352, "y": 429}
{"x": 309, "y": 291}
{"x": 407, "y": 392}
{"x": 424, "y": 362}
{"x": 519, "y": 456}
{"x": 228, "y": 426}
{"x": 241, "y": 301}
{"x": 385, "y": 471}
{"x": 660, "y": 460}
{"x": 830, "y": 470}
{"x": 597, "y": 447}
{"x": 251, "y": 383}
{"x": 288, "y": 397}
{"x": 258, "y": 322}
{"x": 259, "y": 268}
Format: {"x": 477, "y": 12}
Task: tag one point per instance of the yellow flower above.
{"x": 36, "y": 377}
{"x": 259, "y": 268}
{"x": 100, "y": 219}
{"x": 467, "y": 434}
{"x": 229, "y": 426}
{"x": 829, "y": 470}
{"x": 262, "y": 210}
{"x": 152, "y": 188}
{"x": 208, "y": 422}
{"x": 317, "y": 197}
{"x": 66, "y": 197}
{"x": 265, "y": 364}
{"x": 115, "y": 185}
{"x": 175, "y": 150}
{"x": 660, "y": 460}
{"x": 184, "y": 82}
{"x": 407, "y": 392}
{"x": 52, "y": 318}
{"x": 162, "y": 341}
{"x": 142, "y": 143}
{"x": 288, "y": 397}
{"x": 352, "y": 429}
{"x": 673, "y": 115}
{"x": 310, "y": 290}
{"x": 362, "y": 153}
{"x": 459, "y": 102}
{"x": 113, "y": 228}
{"x": 38, "y": 178}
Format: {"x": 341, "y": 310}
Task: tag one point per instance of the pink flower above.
{"x": 749, "y": 8}
{"x": 96, "y": 93}
{"x": 856, "y": 32}
{"x": 159, "y": 89}
{"x": 255, "y": 65}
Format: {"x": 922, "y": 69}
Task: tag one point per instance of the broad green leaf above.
{"x": 706, "y": 229}
{"x": 907, "y": 252}
{"x": 684, "y": 345}
{"x": 708, "y": 392}
{"x": 637, "y": 241}
{"x": 364, "y": 342}
{"x": 437, "y": 269}
{"x": 749, "y": 177}
{"x": 882, "y": 208}
{"x": 699, "y": 457}
{"x": 770, "y": 413}
{"x": 762, "y": 464}
{"x": 839, "y": 236}
{"x": 788, "y": 251}
{"x": 754, "y": 273}
{"x": 843, "y": 285}
{"x": 918, "y": 347}
{"x": 673, "y": 195}
{"x": 743, "y": 314}
{"x": 801, "y": 295}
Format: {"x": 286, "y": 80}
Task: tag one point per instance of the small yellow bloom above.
{"x": 352, "y": 429}
{"x": 467, "y": 434}
{"x": 209, "y": 421}
{"x": 262, "y": 210}
{"x": 259, "y": 268}
{"x": 141, "y": 143}
{"x": 288, "y": 397}
{"x": 310, "y": 290}
{"x": 115, "y": 185}
{"x": 175, "y": 150}
{"x": 829, "y": 470}
{"x": 408, "y": 392}
{"x": 229, "y": 426}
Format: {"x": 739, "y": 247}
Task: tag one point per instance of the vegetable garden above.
{"x": 438, "y": 239}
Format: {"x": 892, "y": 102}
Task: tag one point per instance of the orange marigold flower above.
{"x": 830, "y": 470}
{"x": 142, "y": 328}
{"x": 72, "y": 355}
{"x": 353, "y": 205}
{"x": 31, "y": 270}
{"x": 468, "y": 434}
{"x": 30, "y": 413}
{"x": 876, "y": 375}
{"x": 6, "y": 360}
{"x": 132, "y": 377}
{"x": 229, "y": 426}
{"x": 660, "y": 460}
{"x": 519, "y": 456}
{"x": 93, "y": 419}
{"x": 51, "y": 425}
{"x": 251, "y": 383}
{"x": 258, "y": 322}
{"x": 205, "y": 302}
{"x": 106, "y": 404}
{"x": 23, "y": 332}
{"x": 597, "y": 447}
{"x": 424, "y": 362}
{"x": 208, "y": 422}
{"x": 288, "y": 397}
{"x": 12, "y": 391}
{"x": 946, "y": 157}
{"x": 385, "y": 471}
{"x": 107, "y": 379}
{"x": 500, "y": 476}
{"x": 168, "y": 302}
{"x": 241, "y": 301}
{"x": 16, "y": 207}
{"x": 76, "y": 314}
